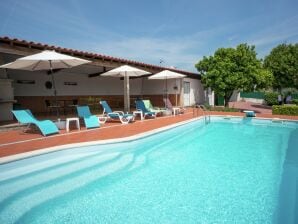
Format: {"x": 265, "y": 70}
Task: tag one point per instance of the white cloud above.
{"x": 277, "y": 33}
{"x": 181, "y": 51}
{"x": 174, "y": 52}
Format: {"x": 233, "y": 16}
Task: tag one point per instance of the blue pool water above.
{"x": 229, "y": 171}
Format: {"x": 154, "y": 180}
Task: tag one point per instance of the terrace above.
{"x": 15, "y": 141}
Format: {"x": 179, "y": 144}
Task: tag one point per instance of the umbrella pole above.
{"x": 126, "y": 94}
{"x": 166, "y": 93}
{"x": 54, "y": 87}
{"x": 142, "y": 86}
{"x": 176, "y": 89}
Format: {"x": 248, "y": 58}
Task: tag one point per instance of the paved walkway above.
{"x": 16, "y": 141}
{"x": 258, "y": 108}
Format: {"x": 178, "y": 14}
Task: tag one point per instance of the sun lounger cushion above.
{"x": 46, "y": 127}
{"x": 91, "y": 121}
{"x": 141, "y": 106}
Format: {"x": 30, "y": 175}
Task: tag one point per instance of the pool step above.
{"x": 59, "y": 186}
{"x": 277, "y": 120}
{"x": 207, "y": 119}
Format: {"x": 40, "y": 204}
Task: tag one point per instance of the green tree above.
{"x": 283, "y": 63}
{"x": 232, "y": 69}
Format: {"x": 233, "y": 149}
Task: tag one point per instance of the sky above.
{"x": 172, "y": 33}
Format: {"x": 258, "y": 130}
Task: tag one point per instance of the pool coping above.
{"x": 20, "y": 156}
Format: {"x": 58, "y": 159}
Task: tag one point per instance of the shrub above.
{"x": 285, "y": 110}
{"x": 224, "y": 109}
{"x": 271, "y": 98}
{"x": 295, "y": 101}
{"x": 254, "y": 95}
{"x": 207, "y": 106}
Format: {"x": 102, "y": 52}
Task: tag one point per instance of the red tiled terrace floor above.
{"x": 15, "y": 141}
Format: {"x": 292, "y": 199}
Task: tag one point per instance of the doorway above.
{"x": 186, "y": 94}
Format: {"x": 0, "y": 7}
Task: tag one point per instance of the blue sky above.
{"x": 178, "y": 32}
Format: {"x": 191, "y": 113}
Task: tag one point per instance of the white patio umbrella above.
{"x": 165, "y": 75}
{"x": 126, "y": 71}
{"x": 46, "y": 60}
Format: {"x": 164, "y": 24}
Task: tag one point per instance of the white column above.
{"x": 182, "y": 92}
{"x": 3, "y": 74}
{"x": 6, "y": 101}
{"x": 211, "y": 97}
{"x": 126, "y": 94}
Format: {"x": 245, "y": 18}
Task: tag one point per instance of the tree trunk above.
{"x": 227, "y": 101}
{"x": 227, "y": 98}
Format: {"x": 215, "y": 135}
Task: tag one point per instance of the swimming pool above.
{"x": 229, "y": 171}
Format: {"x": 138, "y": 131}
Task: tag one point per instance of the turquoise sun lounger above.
{"x": 141, "y": 106}
{"x": 46, "y": 127}
{"x": 151, "y": 108}
{"x": 91, "y": 121}
{"x": 115, "y": 115}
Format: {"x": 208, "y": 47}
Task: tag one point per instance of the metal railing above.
{"x": 206, "y": 115}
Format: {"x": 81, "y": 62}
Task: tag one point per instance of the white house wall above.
{"x": 85, "y": 85}
{"x": 197, "y": 95}
{"x": 98, "y": 85}
{"x": 159, "y": 86}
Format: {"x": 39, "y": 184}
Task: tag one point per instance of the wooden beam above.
{"x": 136, "y": 77}
{"x": 97, "y": 73}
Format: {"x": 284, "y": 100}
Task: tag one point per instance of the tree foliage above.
{"x": 232, "y": 69}
{"x": 283, "y": 63}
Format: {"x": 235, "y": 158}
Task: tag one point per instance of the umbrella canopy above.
{"x": 165, "y": 75}
{"x": 126, "y": 71}
{"x": 46, "y": 60}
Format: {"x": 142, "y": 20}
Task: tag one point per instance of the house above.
{"x": 28, "y": 89}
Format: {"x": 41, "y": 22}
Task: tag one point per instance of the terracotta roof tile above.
{"x": 38, "y": 45}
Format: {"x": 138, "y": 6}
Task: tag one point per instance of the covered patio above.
{"x": 82, "y": 85}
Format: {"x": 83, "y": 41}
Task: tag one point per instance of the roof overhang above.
{"x": 21, "y": 48}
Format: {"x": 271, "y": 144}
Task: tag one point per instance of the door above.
{"x": 219, "y": 100}
{"x": 186, "y": 94}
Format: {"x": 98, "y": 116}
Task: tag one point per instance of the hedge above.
{"x": 285, "y": 110}
{"x": 295, "y": 96}
{"x": 223, "y": 109}
{"x": 271, "y": 98}
{"x": 254, "y": 95}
